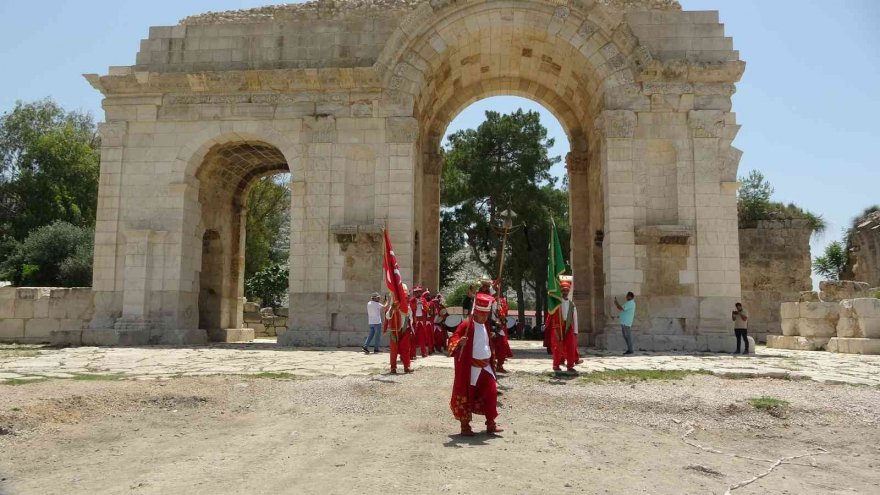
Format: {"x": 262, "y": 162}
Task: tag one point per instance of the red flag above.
{"x": 392, "y": 275}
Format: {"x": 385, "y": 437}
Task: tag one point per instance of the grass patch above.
{"x": 272, "y": 375}
{"x": 112, "y": 377}
{"x": 14, "y": 351}
{"x": 775, "y": 407}
{"x": 635, "y": 376}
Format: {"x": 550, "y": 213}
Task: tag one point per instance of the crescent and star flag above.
{"x": 392, "y": 275}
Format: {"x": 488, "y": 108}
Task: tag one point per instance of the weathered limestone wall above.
{"x": 353, "y": 98}
{"x": 30, "y": 315}
{"x": 865, "y": 250}
{"x": 775, "y": 267}
{"x": 842, "y": 319}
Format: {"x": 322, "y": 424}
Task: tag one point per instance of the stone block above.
{"x": 817, "y": 327}
{"x": 789, "y": 310}
{"x": 40, "y": 328}
{"x": 808, "y": 296}
{"x": 796, "y": 343}
{"x": 868, "y": 307}
{"x": 726, "y": 344}
{"x": 179, "y": 337}
{"x": 41, "y": 307}
{"x": 819, "y": 310}
{"x": 11, "y": 330}
{"x": 282, "y": 311}
{"x": 231, "y": 335}
{"x": 790, "y": 327}
{"x": 7, "y": 308}
{"x": 66, "y": 338}
{"x": 251, "y": 307}
{"x": 854, "y": 346}
{"x": 24, "y": 308}
{"x": 838, "y": 290}
{"x": 304, "y": 338}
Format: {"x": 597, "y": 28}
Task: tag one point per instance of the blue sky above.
{"x": 809, "y": 102}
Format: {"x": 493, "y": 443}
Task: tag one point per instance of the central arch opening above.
{"x": 499, "y": 153}
{"x": 228, "y": 174}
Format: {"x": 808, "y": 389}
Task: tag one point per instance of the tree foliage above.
{"x": 49, "y": 166}
{"x": 504, "y": 164}
{"x": 832, "y": 263}
{"x": 268, "y": 224}
{"x": 269, "y": 285}
{"x": 754, "y": 204}
{"x": 55, "y": 255}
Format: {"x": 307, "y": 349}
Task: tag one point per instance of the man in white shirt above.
{"x": 374, "y": 320}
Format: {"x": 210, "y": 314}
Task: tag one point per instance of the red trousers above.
{"x": 424, "y": 339}
{"x": 565, "y": 351}
{"x": 440, "y": 338}
{"x": 402, "y": 347}
{"x": 485, "y": 392}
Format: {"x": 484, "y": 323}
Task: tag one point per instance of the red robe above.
{"x": 401, "y": 333}
{"x": 563, "y": 340}
{"x": 440, "y": 334}
{"x": 502, "y": 345}
{"x": 467, "y": 400}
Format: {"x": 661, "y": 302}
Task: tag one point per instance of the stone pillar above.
{"x": 429, "y": 242}
{"x": 616, "y": 130}
{"x": 581, "y": 243}
{"x": 108, "y": 255}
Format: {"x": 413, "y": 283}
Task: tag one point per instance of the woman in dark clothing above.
{"x": 468, "y": 303}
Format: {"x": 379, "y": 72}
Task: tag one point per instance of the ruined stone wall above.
{"x": 774, "y": 268}
{"x": 30, "y": 315}
{"x": 864, "y": 251}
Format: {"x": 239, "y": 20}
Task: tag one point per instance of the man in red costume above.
{"x": 502, "y": 345}
{"x": 563, "y": 330}
{"x": 440, "y": 314}
{"x": 398, "y": 323}
{"x": 474, "y": 390}
{"x": 428, "y": 325}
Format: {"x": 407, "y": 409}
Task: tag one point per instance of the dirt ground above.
{"x": 394, "y": 434}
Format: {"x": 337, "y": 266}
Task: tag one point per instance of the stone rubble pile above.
{"x": 845, "y": 317}
{"x": 265, "y": 322}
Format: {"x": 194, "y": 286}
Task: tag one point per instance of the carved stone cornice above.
{"x": 132, "y": 82}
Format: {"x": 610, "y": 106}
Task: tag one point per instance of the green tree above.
{"x": 503, "y": 163}
{"x": 49, "y": 166}
{"x": 754, "y": 204}
{"x": 268, "y": 224}
{"x": 451, "y": 241}
{"x": 55, "y": 255}
{"x": 269, "y": 285}
{"x": 832, "y": 263}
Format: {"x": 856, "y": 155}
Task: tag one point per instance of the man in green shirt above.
{"x": 627, "y": 315}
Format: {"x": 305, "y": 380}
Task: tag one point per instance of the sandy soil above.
{"x": 394, "y": 434}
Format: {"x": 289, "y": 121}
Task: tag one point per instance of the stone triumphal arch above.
{"x": 353, "y": 97}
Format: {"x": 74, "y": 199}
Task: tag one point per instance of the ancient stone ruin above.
{"x": 775, "y": 267}
{"x": 864, "y": 250}
{"x": 845, "y": 317}
{"x": 352, "y": 98}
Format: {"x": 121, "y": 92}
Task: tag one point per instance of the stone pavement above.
{"x": 263, "y": 356}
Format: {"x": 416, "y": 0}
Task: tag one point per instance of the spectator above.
{"x": 627, "y": 315}
{"x": 468, "y": 303}
{"x": 374, "y": 318}
{"x": 741, "y": 327}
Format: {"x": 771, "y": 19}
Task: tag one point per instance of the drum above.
{"x": 511, "y": 322}
{"x": 453, "y": 321}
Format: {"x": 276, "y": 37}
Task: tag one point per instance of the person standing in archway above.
{"x": 564, "y": 330}
{"x": 474, "y": 390}
{"x": 399, "y": 324}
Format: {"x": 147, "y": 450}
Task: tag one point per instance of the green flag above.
{"x": 555, "y": 268}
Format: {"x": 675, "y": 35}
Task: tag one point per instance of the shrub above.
{"x": 270, "y": 285}
{"x": 456, "y": 297}
{"x": 55, "y": 255}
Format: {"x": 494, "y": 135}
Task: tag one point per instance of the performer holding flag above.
{"x": 397, "y": 318}
{"x": 560, "y": 328}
